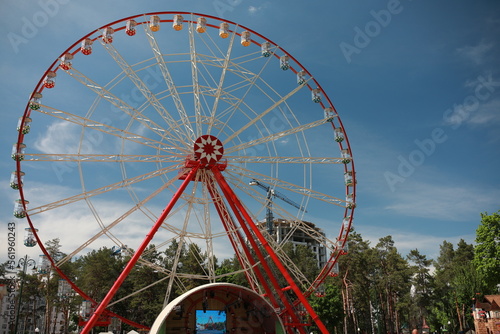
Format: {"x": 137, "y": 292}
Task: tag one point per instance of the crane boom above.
{"x": 270, "y": 194}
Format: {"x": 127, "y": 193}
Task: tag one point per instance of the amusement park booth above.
{"x": 218, "y": 308}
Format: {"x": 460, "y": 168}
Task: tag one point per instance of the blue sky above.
{"x": 416, "y": 83}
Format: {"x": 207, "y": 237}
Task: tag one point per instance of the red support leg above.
{"x": 239, "y": 210}
{"x": 229, "y": 226}
{"x": 220, "y": 209}
{"x": 131, "y": 263}
{"x": 232, "y": 198}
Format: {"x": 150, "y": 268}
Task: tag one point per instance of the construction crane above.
{"x": 269, "y": 203}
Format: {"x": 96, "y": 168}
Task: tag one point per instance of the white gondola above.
{"x": 86, "y": 46}
{"x": 348, "y": 178}
{"x": 316, "y": 95}
{"x": 245, "y": 38}
{"x": 66, "y": 61}
{"x": 301, "y": 77}
{"x": 107, "y": 35}
{"x": 177, "y": 24}
{"x": 350, "y": 201}
{"x": 19, "y": 211}
{"x": 130, "y": 27}
{"x": 346, "y": 156}
{"x": 43, "y": 264}
{"x": 201, "y": 25}
{"x": 18, "y": 151}
{"x": 224, "y": 30}
{"x": 265, "y": 49}
{"x": 35, "y": 101}
{"x": 339, "y": 135}
{"x": 16, "y": 183}
{"x": 154, "y": 23}
{"x": 29, "y": 237}
{"x": 50, "y": 80}
{"x": 24, "y": 127}
{"x": 329, "y": 114}
{"x": 284, "y": 62}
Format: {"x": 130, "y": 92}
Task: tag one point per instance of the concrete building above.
{"x": 284, "y": 229}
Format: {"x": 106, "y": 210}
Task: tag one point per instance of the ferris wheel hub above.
{"x": 208, "y": 149}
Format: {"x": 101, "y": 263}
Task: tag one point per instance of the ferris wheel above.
{"x": 155, "y": 129}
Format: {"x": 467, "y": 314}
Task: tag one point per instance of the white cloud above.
{"x": 252, "y": 10}
{"x": 65, "y": 137}
{"x": 60, "y": 137}
{"x": 75, "y": 223}
{"x": 475, "y": 53}
{"x": 487, "y": 114}
{"x": 441, "y": 202}
{"x": 480, "y": 107}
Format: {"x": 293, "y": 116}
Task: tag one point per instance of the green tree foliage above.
{"x": 329, "y": 308}
{"x": 194, "y": 262}
{"x": 487, "y": 251}
{"x": 98, "y": 271}
{"x": 228, "y": 272}
{"x": 304, "y": 259}
{"x": 148, "y": 303}
{"x": 393, "y": 283}
{"x": 456, "y": 281}
{"x": 422, "y": 283}
{"x": 33, "y": 291}
{"x": 4, "y": 279}
{"x": 358, "y": 279}
{"x": 53, "y": 247}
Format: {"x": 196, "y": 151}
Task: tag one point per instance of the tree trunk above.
{"x": 459, "y": 315}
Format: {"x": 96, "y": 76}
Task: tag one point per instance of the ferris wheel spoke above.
{"x": 248, "y": 83}
{"x": 147, "y": 93}
{"x": 110, "y": 130}
{"x": 286, "y": 160}
{"x": 220, "y": 84}
{"x": 117, "y": 221}
{"x": 287, "y": 186}
{"x": 296, "y": 226}
{"x": 262, "y": 114}
{"x": 127, "y": 109}
{"x": 175, "y": 266}
{"x": 103, "y": 158}
{"x": 169, "y": 81}
{"x": 297, "y": 274}
{"x": 101, "y": 190}
{"x": 139, "y": 290}
{"x": 279, "y": 211}
{"x": 195, "y": 81}
{"x": 272, "y": 137}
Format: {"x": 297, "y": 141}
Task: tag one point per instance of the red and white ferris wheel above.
{"x": 153, "y": 129}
